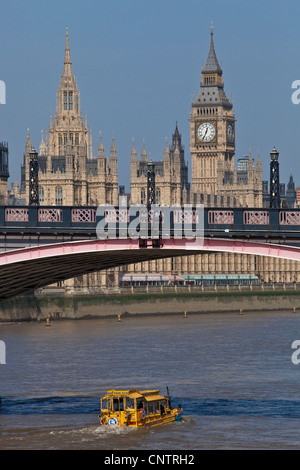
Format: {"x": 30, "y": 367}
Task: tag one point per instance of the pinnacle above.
{"x": 67, "y": 61}
{"x": 212, "y": 64}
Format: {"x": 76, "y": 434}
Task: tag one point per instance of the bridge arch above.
{"x": 26, "y": 269}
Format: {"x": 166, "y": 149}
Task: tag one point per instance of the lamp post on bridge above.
{"x": 274, "y": 180}
{"x": 33, "y": 178}
{"x": 150, "y": 193}
{"x": 150, "y": 184}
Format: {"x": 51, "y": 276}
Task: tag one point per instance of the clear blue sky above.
{"x": 137, "y": 64}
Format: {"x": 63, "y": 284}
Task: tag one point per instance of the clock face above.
{"x": 206, "y": 132}
{"x": 230, "y": 133}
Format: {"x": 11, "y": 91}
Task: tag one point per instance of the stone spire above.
{"x": 67, "y": 94}
{"x": 68, "y": 118}
{"x": 258, "y": 162}
{"x": 28, "y": 143}
{"x": 101, "y": 161}
{"x": 67, "y": 62}
{"x": 133, "y": 152}
{"x": 166, "y": 151}
{"x": 43, "y": 147}
{"x": 144, "y": 154}
{"x": 113, "y": 158}
{"x": 113, "y": 150}
{"x": 101, "y": 147}
{"x": 176, "y": 138}
{"x": 212, "y": 64}
{"x": 258, "y": 170}
{"x": 167, "y": 166}
{"x": 212, "y": 77}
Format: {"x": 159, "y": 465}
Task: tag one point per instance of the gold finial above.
{"x": 212, "y": 28}
{"x": 67, "y": 32}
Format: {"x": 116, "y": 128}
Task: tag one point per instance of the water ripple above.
{"x": 62, "y": 405}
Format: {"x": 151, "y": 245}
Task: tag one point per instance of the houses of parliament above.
{"x": 71, "y": 173}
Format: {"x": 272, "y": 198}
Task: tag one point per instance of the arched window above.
{"x": 41, "y": 196}
{"x": 143, "y": 196}
{"x": 58, "y": 196}
{"x": 71, "y": 100}
{"x": 60, "y": 142}
{"x": 157, "y": 196}
{"x": 65, "y": 101}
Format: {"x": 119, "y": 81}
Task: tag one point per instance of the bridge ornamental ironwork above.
{"x": 289, "y": 218}
{"x": 154, "y": 222}
{"x": 50, "y": 215}
{"x": 220, "y": 217}
{"x": 116, "y": 215}
{"x": 83, "y": 215}
{"x": 256, "y": 217}
{"x": 16, "y": 214}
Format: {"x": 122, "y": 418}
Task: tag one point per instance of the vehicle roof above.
{"x": 149, "y": 395}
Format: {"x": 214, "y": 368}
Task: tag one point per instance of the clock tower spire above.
{"x": 212, "y": 72}
{"x": 212, "y": 139}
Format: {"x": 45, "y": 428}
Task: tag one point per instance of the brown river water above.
{"x": 233, "y": 375}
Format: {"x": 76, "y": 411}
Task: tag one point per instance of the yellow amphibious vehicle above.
{"x": 137, "y": 408}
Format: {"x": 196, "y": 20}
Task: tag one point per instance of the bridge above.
{"x": 43, "y": 245}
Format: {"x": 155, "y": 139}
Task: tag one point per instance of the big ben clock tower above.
{"x": 212, "y": 133}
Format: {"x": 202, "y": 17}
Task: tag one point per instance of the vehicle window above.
{"x": 156, "y": 407}
{"x": 140, "y": 404}
{"x": 130, "y": 403}
{"x": 150, "y": 408}
{"x": 162, "y": 407}
{"x": 104, "y": 404}
{"x": 116, "y": 404}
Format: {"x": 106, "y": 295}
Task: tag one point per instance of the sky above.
{"x": 138, "y": 64}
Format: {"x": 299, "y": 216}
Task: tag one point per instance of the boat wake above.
{"x": 88, "y": 432}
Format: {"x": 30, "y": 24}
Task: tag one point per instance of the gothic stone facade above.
{"x": 171, "y": 175}
{"x": 69, "y": 173}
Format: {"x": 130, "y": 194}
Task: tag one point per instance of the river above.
{"x": 232, "y": 374}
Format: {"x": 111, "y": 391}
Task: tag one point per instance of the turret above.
{"x": 113, "y": 158}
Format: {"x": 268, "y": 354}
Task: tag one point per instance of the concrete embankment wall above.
{"x": 31, "y": 308}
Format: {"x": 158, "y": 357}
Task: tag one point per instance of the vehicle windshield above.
{"x": 118, "y": 404}
{"x": 105, "y": 404}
